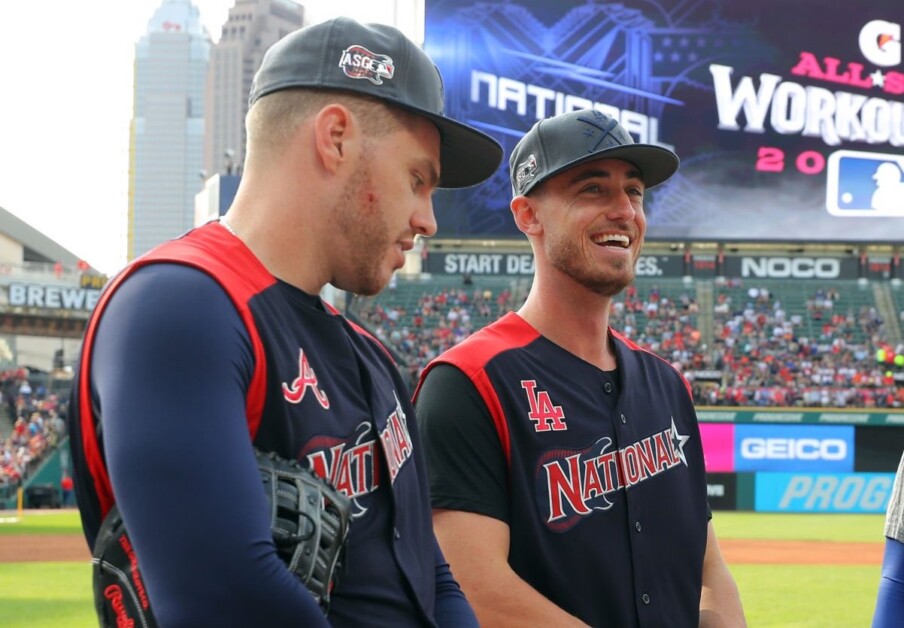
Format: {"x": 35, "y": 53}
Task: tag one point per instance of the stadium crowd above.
{"x": 37, "y": 427}
{"x": 830, "y": 352}
{"x": 439, "y": 321}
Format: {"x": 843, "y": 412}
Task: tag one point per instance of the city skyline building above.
{"x": 166, "y": 147}
{"x": 250, "y": 29}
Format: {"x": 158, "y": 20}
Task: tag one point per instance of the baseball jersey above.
{"x": 894, "y": 516}
{"x": 599, "y": 475}
{"x": 313, "y": 387}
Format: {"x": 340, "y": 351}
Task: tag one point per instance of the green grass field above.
{"x": 805, "y": 596}
{"x": 51, "y": 595}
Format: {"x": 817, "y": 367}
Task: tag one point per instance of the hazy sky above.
{"x": 65, "y": 106}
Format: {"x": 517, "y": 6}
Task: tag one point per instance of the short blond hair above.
{"x": 273, "y": 120}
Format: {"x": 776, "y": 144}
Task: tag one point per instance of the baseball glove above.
{"x": 309, "y": 519}
{"x": 120, "y": 598}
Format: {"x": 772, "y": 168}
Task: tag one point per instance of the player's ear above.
{"x": 524, "y": 211}
{"x": 333, "y": 131}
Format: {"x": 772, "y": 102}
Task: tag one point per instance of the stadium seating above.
{"x": 754, "y": 342}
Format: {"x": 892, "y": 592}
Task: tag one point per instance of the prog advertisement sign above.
{"x": 788, "y": 115}
{"x": 813, "y": 448}
{"x": 825, "y": 492}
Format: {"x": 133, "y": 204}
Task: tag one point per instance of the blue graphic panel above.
{"x": 865, "y": 184}
{"x": 794, "y": 448}
{"x": 824, "y": 492}
{"x": 757, "y": 108}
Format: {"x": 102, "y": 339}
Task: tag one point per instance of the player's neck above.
{"x": 580, "y": 326}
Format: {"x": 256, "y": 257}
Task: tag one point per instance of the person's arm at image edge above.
{"x": 720, "y": 601}
{"x": 890, "y": 598}
{"x": 452, "y": 607}
{"x": 467, "y": 466}
{"x": 170, "y": 367}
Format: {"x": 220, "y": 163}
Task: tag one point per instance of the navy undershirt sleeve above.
{"x": 890, "y": 600}
{"x": 452, "y": 608}
{"x": 171, "y": 364}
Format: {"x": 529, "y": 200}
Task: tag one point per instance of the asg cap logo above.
{"x": 360, "y": 63}
{"x": 526, "y": 171}
{"x": 880, "y": 42}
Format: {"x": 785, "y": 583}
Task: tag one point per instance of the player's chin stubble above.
{"x": 362, "y": 227}
{"x": 567, "y": 258}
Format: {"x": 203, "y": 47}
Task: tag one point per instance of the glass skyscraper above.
{"x": 167, "y": 131}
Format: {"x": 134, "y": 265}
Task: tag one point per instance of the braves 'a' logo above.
{"x": 360, "y": 63}
{"x": 295, "y": 391}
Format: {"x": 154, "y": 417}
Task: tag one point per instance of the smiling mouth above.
{"x": 612, "y": 240}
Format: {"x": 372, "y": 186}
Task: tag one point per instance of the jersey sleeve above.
{"x": 172, "y": 361}
{"x": 465, "y": 461}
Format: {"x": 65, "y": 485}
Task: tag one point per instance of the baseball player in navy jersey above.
{"x": 566, "y": 469}
{"x": 889, "y": 611}
{"x": 217, "y": 343}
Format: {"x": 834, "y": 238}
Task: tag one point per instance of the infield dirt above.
{"x": 66, "y": 547}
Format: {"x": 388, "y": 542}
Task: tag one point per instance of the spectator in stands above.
{"x": 66, "y": 485}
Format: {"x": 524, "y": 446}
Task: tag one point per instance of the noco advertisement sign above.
{"x": 788, "y": 115}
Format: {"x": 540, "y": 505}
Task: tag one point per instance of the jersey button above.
{"x": 623, "y": 419}
{"x": 637, "y": 526}
{"x": 396, "y": 534}
{"x": 607, "y": 387}
{"x": 645, "y": 598}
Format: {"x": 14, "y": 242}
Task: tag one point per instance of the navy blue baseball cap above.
{"x": 379, "y": 61}
{"x": 556, "y": 144}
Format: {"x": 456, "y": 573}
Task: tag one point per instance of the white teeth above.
{"x": 613, "y": 238}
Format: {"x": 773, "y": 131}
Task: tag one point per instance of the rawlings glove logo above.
{"x": 360, "y": 63}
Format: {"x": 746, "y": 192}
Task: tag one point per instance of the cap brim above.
{"x": 656, "y": 164}
{"x": 467, "y": 156}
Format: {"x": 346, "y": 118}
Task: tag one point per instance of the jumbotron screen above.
{"x": 788, "y": 115}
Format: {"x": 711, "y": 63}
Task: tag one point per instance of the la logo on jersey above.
{"x": 543, "y": 413}
{"x": 306, "y": 379}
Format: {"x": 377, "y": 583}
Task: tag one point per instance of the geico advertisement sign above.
{"x": 827, "y": 492}
{"x": 794, "y": 448}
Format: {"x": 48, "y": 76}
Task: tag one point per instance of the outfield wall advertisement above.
{"x": 823, "y": 492}
{"x": 788, "y": 115}
{"x": 800, "y": 468}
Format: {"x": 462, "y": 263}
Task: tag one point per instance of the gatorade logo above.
{"x": 880, "y": 42}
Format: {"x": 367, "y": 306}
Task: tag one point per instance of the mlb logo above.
{"x": 863, "y": 184}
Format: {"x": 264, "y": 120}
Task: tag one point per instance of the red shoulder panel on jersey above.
{"x": 635, "y": 347}
{"x": 242, "y": 276}
{"x": 471, "y": 356}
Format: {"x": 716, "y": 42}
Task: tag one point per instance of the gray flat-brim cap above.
{"x": 379, "y": 61}
{"x": 556, "y": 144}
